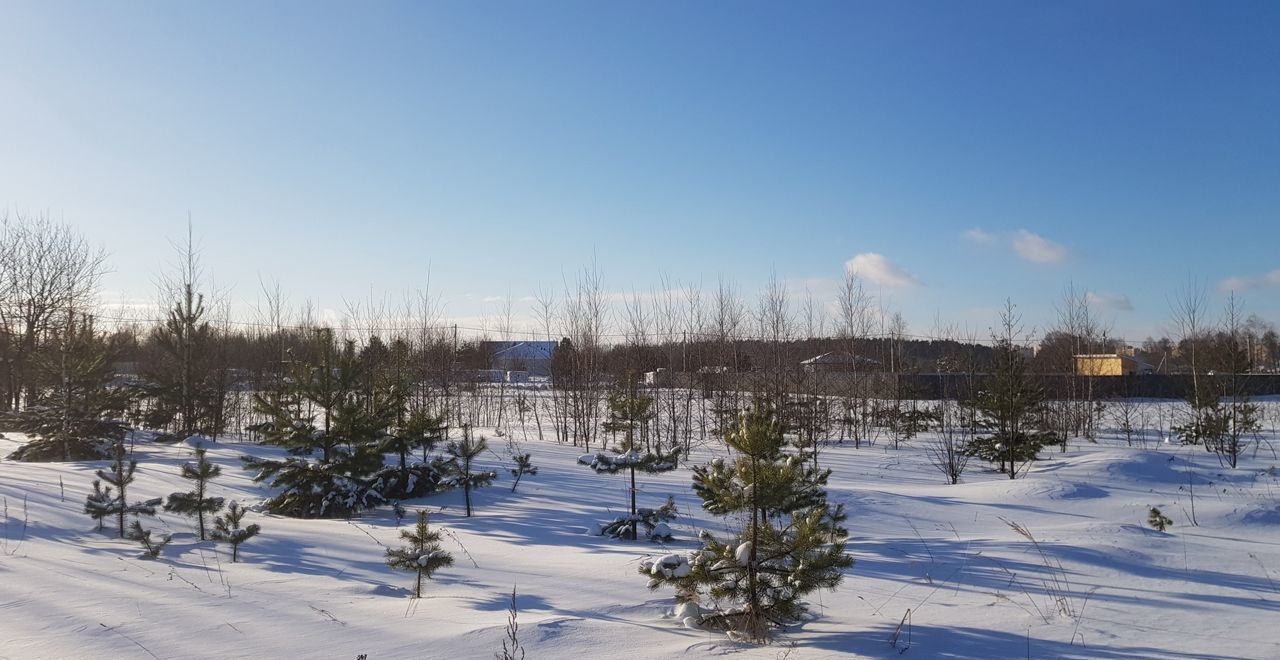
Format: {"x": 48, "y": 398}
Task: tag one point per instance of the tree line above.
{"x": 74, "y": 375}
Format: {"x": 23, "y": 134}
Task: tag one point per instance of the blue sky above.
{"x": 969, "y": 152}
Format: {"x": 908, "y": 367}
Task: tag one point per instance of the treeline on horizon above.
{"x": 51, "y": 333}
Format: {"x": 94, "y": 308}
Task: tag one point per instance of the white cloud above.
{"x": 1244, "y": 283}
{"x": 878, "y": 269}
{"x": 1028, "y": 245}
{"x": 1035, "y": 248}
{"x": 976, "y": 235}
{"x": 1113, "y": 301}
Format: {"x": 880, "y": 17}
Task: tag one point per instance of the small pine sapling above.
{"x": 410, "y": 479}
{"x": 151, "y": 548}
{"x": 422, "y": 556}
{"x": 629, "y": 458}
{"x": 227, "y": 528}
{"x": 100, "y": 504}
{"x": 791, "y": 542}
{"x": 629, "y": 413}
{"x": 524, "y": 463}
{"x": 462, "y": 453}
{"x": 120, "y": 475}
{"x": 1158, "y": 520}
{"x": 195, "y": 503}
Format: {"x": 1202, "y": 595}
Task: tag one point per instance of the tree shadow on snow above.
{"x": 964, "y": 642}
{"x": 985, "y": 566}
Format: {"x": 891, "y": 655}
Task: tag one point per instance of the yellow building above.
{"x": 1110, "y": 364}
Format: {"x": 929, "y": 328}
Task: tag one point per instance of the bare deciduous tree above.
{"x": 47, "y": 270}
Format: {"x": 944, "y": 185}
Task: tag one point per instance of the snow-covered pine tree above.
{"x": 791, "y": 542}
{"x": 418, "y": 432}
{"x": 151, "y": 547}
{"x": 422, "y": 556}
{"x": 628, "y": 412}
{"x": 77, "y": 416}
{"x": 462, "y": 454}
{"x": 326, "y": 409}
{"x": 194, "y": 502}
{"x": 120, "y": 475}
{"x": 227, "y": 528}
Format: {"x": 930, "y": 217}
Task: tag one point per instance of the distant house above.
{"x": 837, "y": 361}
{"x": 659, "y": 377}
{"x": 533, "y": 357}
{"x": 1110, "y": 364}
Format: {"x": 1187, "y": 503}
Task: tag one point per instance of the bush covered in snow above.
{"x": 654, "y": 522}
{"x": 414, "y": 480}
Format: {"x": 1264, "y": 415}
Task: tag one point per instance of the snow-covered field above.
{"x": 1099, "y": 583}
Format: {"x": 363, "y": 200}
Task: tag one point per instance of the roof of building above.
{"x": 838, "y": 357}
{"x": 522, "y": 350}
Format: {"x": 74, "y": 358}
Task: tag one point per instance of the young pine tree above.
{"x": 120, "y": 475}
{"x": 180, "y": 375}
{"x": 100, "y": 504}
{"x": 196, "y": 503}
{"x": 628, "y": 412}
{"x": 524, "y": 465}
{"x": 1242, "y": 417}
{"x": 227, "y": 528}
{"x": 418, "y": 432}
{"x": 80, "y": 411}
{"x": 791, "y": 543}
{"x": 151, "y": 547}
{"x": 1010, "y": 403}
{"x": 1158, "y": 520}
{"x": 332, "y": 409}
{"x": 462, "y": 453}
{"x": 422, "y": 556}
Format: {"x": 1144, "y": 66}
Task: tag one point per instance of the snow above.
{"x": 669, "y": 565}
{"x": 1096, "y": 583}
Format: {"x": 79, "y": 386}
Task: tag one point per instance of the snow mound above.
{"x": 198, "y": 442}
{"x": 1080, "y": 491}
{"x": 1266, "y": 515}
{"x": 1147, "y": 467}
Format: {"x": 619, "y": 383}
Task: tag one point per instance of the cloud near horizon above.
{"x": 976, "y": 235}
{"x": 1037, "y": 249}
{"x": 877, "y": 268}
{"x": 1113, "y": 301}
{"x": 1026, "y": 244}
{"x": 1244, "y": 283}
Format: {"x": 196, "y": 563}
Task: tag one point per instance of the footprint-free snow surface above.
{"x": 940, "y": 572}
